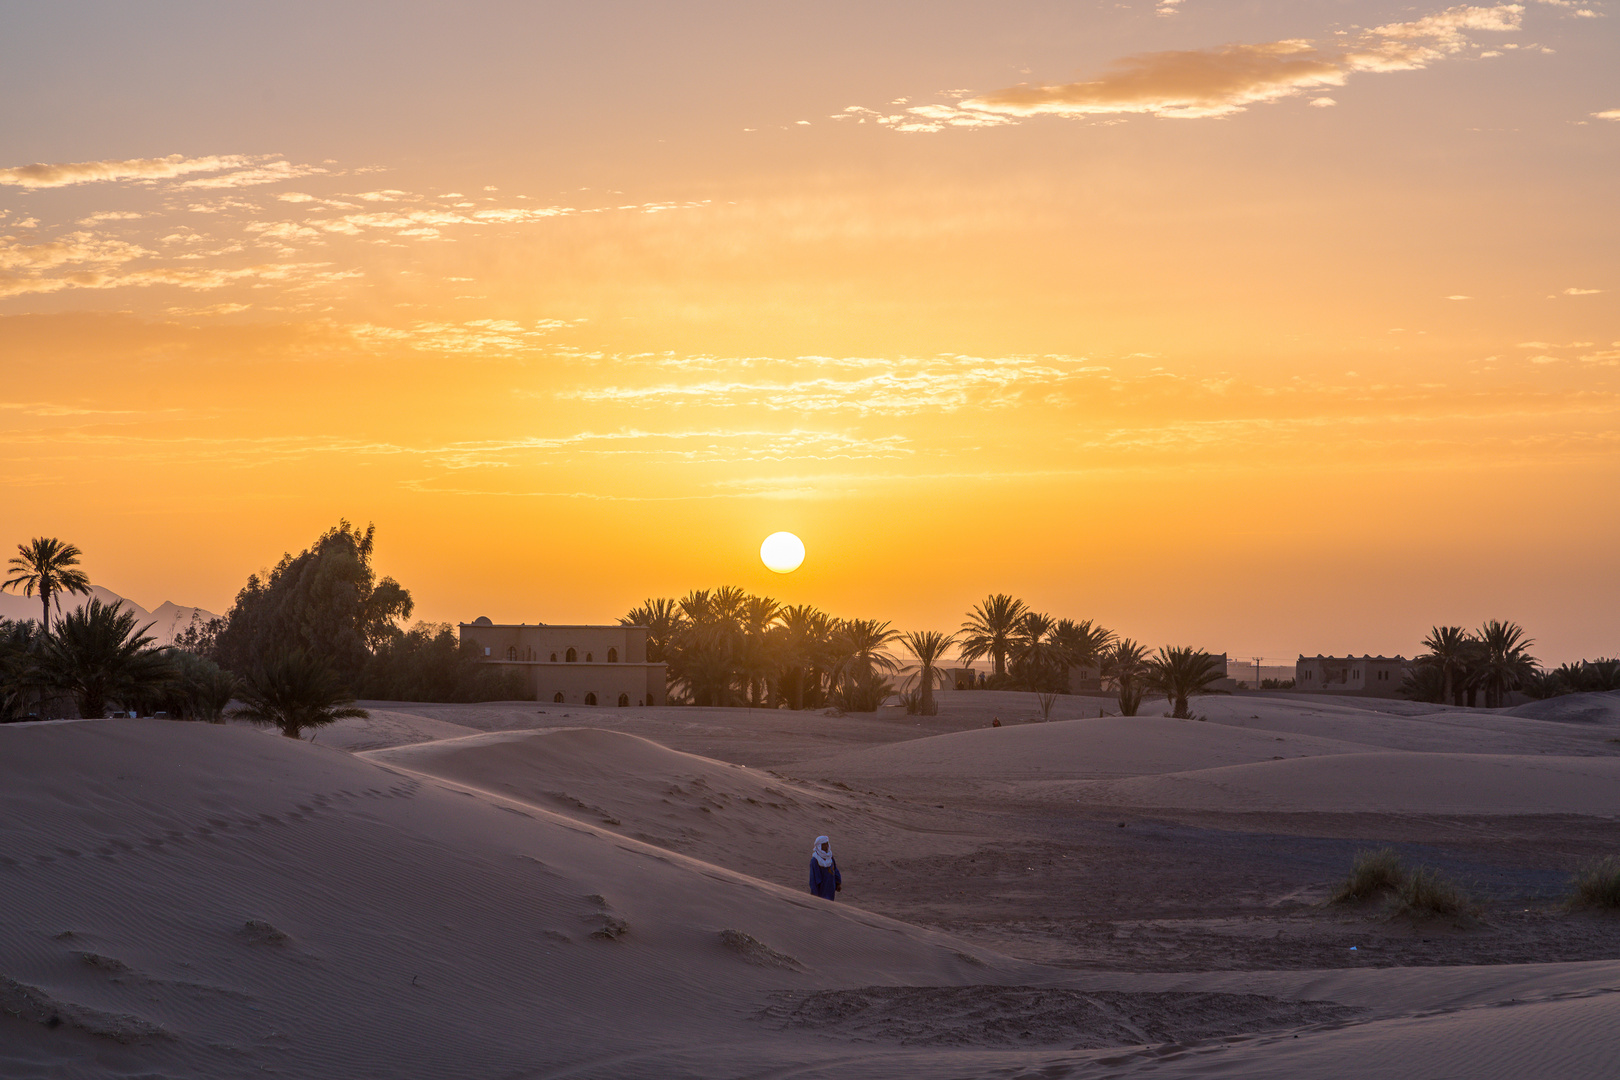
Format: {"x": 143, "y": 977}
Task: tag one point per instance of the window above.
{"x": 613, "y": 658}
{"x": 624, "y": 700}
{"x": 511, "y": 652}
{"x": 588, "y": 658}
{"x": 486, "y": 650}
{"x": 559, "y": 698}
{"x": 553, "y": 658}
{"x": 571, "y": 656}
{"x": 590, "y": 699}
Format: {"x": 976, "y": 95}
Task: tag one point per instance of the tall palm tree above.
{"x": 989, "y": 628}
{"x": 1038, "y": 658}
{"x": 1449, "y": 652}
{"x": 98, "y": 655}
{"x": 806, "y": 651}
{"x": 863, "y": 660}
{"x": 928, "y": 646}
{"x": 46, "y": 565}
{"x": 664, "y": 621}
{"x": 1179, "y": 673}
{"x": 1506, "y": 663}
{"x": 293, "y": 691}
{"x": 1083, "y": 642}
{"x": 1125, "y": 666}
{"x": 757, "y": 658}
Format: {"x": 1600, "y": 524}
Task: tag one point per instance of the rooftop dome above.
{"x": 482, "y": 620}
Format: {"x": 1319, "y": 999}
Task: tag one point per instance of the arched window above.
{"x": 613, "y": 656}
{"x": 571, "y": 656}
{"x": 590, "y": 699}
{"x": 511, "y": 652}
{"x": 559, "y": 698}
{"x": 553, "y": 658}
{"x": 624, "y": 699}
{"x": 588, "y": 658}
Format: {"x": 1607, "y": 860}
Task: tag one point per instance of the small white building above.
{"x": 574, "y": 665}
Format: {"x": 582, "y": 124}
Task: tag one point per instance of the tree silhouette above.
{"x": 293, "y": 690}
{"x": 47, "y": 566}
{"x": 989, "y": 629}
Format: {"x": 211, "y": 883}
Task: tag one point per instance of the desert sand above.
{"x": 521, "y": 891}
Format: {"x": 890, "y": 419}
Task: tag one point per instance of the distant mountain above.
{"x": 167, "y": 621}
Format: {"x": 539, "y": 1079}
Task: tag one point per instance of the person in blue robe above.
{"x": 825, "y": 880}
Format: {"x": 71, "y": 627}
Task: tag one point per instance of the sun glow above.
{"x": 782, "y": 552}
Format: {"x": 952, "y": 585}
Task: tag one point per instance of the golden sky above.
{"x": 1267, "y": 328}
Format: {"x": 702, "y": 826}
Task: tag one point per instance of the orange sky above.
{"x": 1279, "y": 331}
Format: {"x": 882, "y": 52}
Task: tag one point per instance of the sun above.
{"x": 782, "y": 552}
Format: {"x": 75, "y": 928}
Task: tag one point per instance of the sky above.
{"x": 1267, "y": 328}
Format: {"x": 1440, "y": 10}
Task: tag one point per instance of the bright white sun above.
{"x": 782, "y": 552}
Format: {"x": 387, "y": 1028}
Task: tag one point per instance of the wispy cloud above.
{"x": 41, "y": 175}
{"x": 1217, "y": 81}
{"x": 269, "y": 173}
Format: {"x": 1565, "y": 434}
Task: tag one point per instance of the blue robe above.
{"x": 824, "y": 880}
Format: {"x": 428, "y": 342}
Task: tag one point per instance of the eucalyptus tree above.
{"x": 293, "y": 690}
{"x": 48, "y": 567}
{"x": 1505, "y": 662}
{"x": 1125, "y": 668}
{"x": 1180, "y": 673}
{"x": 989, "y": 630}
{"x": 928, "y": 646}
{"x": 98, "y": 655}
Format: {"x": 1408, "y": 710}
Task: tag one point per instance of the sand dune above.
{"x": 1072, "y": 749}
{"x": 182, "y": 900}
{"x": 1382, "y": 783}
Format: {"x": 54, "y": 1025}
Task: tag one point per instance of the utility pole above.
{"x": 1257, "y": 660}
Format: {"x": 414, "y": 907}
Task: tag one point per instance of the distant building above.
{"x": 574, "y": 665}
{"x": 1353, "y": 676}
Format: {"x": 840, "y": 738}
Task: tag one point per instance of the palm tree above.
{"x": 1449, "y": 652}
{"x": 46, "y": 565}
{"x": 863, "y": 660}
{"x": 1506, "y": 663}
{"x": 1038, "y": 658}
{"x": 1179, "y": 673}
{"x": 97, "y": 655}
{"x": 1124, "y": 664}
{"x": 806, "y": 651}
{"x": 664, "y": 621}
{"x": 928, "y": 646}
{"x": 1083, "y": 642}
{"x": 22, "y": 683}
{"x": 756, "y": 661}
{"x": 989, "y": 628}
{"x": 293, "y": 691}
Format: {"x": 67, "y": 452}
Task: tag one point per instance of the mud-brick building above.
{"x": 1352, "y": 676}
{"x": 574, "y": 665}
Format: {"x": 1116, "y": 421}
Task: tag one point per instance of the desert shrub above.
{"x": 1428, "y": 892}
{"x": 1598, "y": 885}
{"x": 1372, "y": 874}
{"x": 916, "y": 706}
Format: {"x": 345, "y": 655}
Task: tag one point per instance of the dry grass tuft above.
{"x": 1598, "y": 885}
{"x": 1374, "y": 873}
{"x": 1428, "y": 892}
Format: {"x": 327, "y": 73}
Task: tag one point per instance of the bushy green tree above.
{"x": 325, "y": 601}
{"x": 430, "y": 663}
{"x": 23, "y": 687}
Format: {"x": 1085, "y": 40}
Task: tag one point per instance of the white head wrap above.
{"x": 823, "y": 857}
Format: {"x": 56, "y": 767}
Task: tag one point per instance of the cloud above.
{"x": 1459, "y": 296}
{"x": 41, "y": 175}
{"x": 1572, "y": 291}
{"x": 270, "y": 173}
{"x": 1216, "y": 81}
{"x": 1608, "y": 114}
